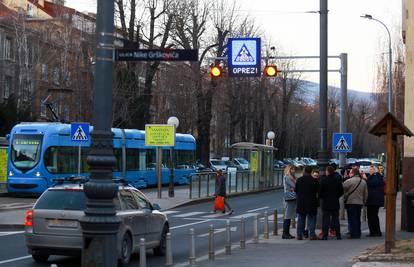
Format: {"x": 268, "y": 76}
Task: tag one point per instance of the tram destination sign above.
{"x": 156, "y": 55}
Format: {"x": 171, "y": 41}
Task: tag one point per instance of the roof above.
{"x": 398, "y": 128}
{"x": 247, "y": 145}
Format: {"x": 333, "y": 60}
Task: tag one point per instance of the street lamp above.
{"x": 174, "y": 122}
{"x": 270, "y": 137}
{"x": 367, "y": 16}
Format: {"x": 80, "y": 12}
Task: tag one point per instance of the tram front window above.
{"x": 25, "y": 151}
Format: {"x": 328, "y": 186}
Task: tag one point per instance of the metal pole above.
{"x": 142, "y": 253}
{"x": 171, "y": 180}
{"x": 169, "y": 255}
{"x": 242, "y": 234}
{"x": 323, "y": 85}
{"x": 275, "y": 230}
{"x": 390, "y": 79}
{"x": 255, "y": 230}
{"x": 79, "y": 160}
{"x": 158, "y": 155}
{"x": 192, "y": 258}
{"x": 266, "y": 226}
{"x": 100, "y": 223}
{"x": 211, "y": 243}
{"x": 227, "y": 246}
{"x": 344, "y": 102}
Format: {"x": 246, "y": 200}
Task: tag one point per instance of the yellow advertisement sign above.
{"x": 3, "y": 164}
{"x": 253, "y": 161}
{"x": 159, "y": 135}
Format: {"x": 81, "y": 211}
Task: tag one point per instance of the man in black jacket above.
{"x": 307, "y": 203}
{"x": 375, "y": 183}
{"x": 330, "y": 191}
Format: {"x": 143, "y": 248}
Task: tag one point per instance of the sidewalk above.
{"x": 293, "y": 253}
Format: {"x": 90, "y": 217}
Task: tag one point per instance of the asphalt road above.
{"x": 198, "y": 216}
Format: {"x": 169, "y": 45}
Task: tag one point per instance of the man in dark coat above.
{"x": 307, "y": 203}
{"x": 375, "y": 183}
{"x": 330, "y": 191}
{"x": 221, "y": 189}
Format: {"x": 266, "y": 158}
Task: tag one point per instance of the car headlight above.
{"x": 11, "y": 173}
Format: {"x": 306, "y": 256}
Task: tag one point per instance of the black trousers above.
{"x": 330, "y": 219}
{"x": 373, "y": 220}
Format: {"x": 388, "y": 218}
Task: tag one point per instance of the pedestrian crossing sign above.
{"x": 79, "y": 132}
{"x": 244, "y": 57}
{"x": 342, "y": 142}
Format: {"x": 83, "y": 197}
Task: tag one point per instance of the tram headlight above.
{"x": 38, "y": 174}
{"x": 11, "y": 173}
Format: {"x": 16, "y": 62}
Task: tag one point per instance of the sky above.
{"x": 295, "y": 32}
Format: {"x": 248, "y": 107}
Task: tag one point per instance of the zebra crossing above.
{"x": 211, "y": 215}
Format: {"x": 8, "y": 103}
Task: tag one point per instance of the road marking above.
{"x": 189, "y": 214}
{"x": 188, "y": 224}
{"x": 263, "y": 208}
{"x": 246, "y": 215}
{"x": 167, "y": 212}
{"x": 15, "y": 259}
{"x": 11, "y": 233}
{"x": 219, "y": 230}
{"x": 215, "y": 215}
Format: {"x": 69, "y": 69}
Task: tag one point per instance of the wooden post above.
{"x": 391, "y": 194}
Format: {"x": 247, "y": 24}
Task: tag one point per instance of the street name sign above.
{"x": 244, "y": 57}
{"x": 156, "y": 55}
{"x": 159, "y": 135}
{"x": 342, "y": 142}
{"x": 79, "y": 132}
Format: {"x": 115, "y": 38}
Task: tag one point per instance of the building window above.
{"x": 29, "y": 10}
{"x": 8, "y": 48}
{"x": 44, "y": 74}
{"x": 7, "y": 87}
{"x": 56, "y": 76}
{"x": 43, "y": 111}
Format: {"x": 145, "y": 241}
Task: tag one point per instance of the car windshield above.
{"x": 218, "y": 162}
{"x": 25, "y": 150}
{"x": 65, "y": 199}
{"x": 242, "y": 161}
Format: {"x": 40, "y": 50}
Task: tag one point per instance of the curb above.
{"x": 210, "y": 198}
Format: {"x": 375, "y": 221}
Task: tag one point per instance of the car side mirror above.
{"x": 155, "y": 206}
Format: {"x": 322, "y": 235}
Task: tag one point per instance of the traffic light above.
{"x": 216, "y": 71}
{"x": 270, "y": 71}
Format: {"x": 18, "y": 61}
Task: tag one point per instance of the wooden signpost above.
{"x": 391, "y": 127}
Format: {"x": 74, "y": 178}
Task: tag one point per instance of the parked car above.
{"x": 218, "y": 164}
{"x": 242, "y": 163}
{"x": 52, "y": 226}
{"x": 364, "y": 165}
{"x": 279, "y": 164}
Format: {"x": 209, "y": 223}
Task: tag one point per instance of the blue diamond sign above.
{"x": 244, "y": 57}
{"x": 342, "y": 142}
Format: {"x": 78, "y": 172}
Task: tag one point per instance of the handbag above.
{"x": 219, "y": 203}
{"x": 290, "y": 195}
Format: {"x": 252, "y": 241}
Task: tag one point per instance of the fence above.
{"x": 203, "y": 184}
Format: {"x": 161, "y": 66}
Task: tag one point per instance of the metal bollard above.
{"x": 293, "y": 222}
{"x": 142, "y": 253}
{"x": 266, "y": 226}
{"x": 168, "y": 247}
{"x": 211, "y": 243}
{"x": 192, "y": 258}
{"x": 227, "y": 246}
{"x": 255, "y": 230}
{"x": 242, "y": 234}
{"x": 275, "y": 226}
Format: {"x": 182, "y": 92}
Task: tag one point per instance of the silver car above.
{"x": 52, "y": 226}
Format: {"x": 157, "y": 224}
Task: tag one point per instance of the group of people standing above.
{"x": 311, "y": 193}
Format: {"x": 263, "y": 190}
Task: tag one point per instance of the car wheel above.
{"x": 40, "y": 257}
{"x": 160, "y": 250}
{"x": 126, "y": 250}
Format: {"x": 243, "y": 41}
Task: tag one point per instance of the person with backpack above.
{"x": 355, "y": 196}
{"x": 330, "y": 191}
{"x": 289, "y": 183}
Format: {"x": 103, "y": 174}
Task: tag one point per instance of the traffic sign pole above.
{"x": 159, "y": 170}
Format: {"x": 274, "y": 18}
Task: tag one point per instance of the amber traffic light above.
{"x": 270, "y": 71}
{"x": 216, "y": 71}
